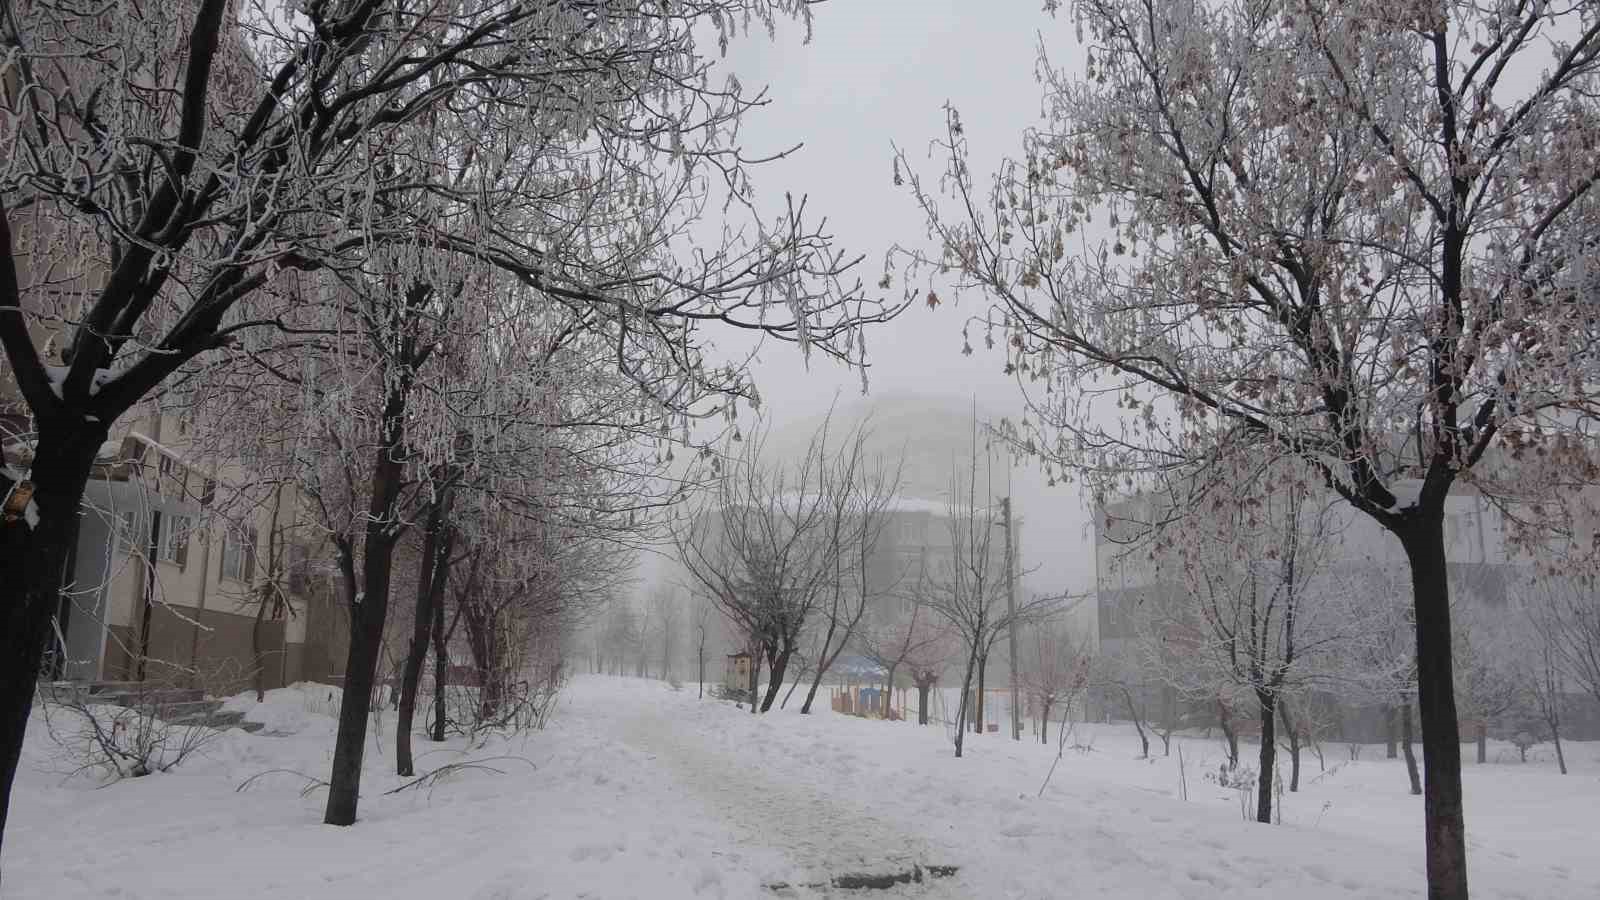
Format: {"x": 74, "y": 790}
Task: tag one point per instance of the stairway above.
{"x": 173, "y": 705}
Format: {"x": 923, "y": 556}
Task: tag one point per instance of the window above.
{"x": 299, "y": 569}
{"x": 173, "y": 546}
{"x": 911, "y": 530}
{"x": 239, "y": 555}
{"x": 172, "y": 475}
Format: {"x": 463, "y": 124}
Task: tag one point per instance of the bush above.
{"x": 123, "y": 735}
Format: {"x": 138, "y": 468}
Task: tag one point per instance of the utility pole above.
{"x": 1011, "y": 610}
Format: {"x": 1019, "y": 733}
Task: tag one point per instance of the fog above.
{"x": 875, "y": 76}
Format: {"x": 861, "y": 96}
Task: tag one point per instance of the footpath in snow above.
{"x": 637, "y": 790}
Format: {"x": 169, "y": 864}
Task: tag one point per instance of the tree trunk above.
{"x": 1229, "y": 736}
{"x": 890, "y": 679}
{"x": 755, "y": 675}
{"x": 258, "y": 673}
{"x": 1444, "y": 821}
{"x": 780, "y": 665}
{"x": 1294, "y": 746}
{"x": 1561, "y": 759}
{"x": 1391, "y": 746}
{"x": 923, "y": 688}
{"x": 366, "y": 635}
{"x": 1405, "y": 743}
{"x": 429, "y": 585}
{"x": 962, "y": 711}
{"x": 264, "y": 595}
{"x": 1269, "y": 753}
{"x": 983, "y": 668}
{"x": 1138, "y": 722}
{"x": 1483, "y": 742}
{"x": 34, "y": 559}
{"x": 1044, "y": 724}
{"x": 441, "y": 661}
{"x": 823, "y": 662}
{"x": 790, "y": 692}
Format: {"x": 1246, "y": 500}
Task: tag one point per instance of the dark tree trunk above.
{"x": 1391, "y": 733}
{"x": 890, "y": 679}
{"x": 366, "y": 635}
{"x": 755, "y": 675}
{"x": 1483, "y": 742}
{"x": 265, "y": 595}
{"x": 258, "y": 668}
{"x": 1044, "y": 723}
{"x": 1405, "y": 744}
{"x": 780, "y": 665}
{"x": 1138, "y": 722}
{"x": 964, "y": 709}
{"x": 1443, "y": 817}
{"x": 33, "y": 562}
{"x": 441, "y": 665}
{"x": 430, "y": 584}
{"x": 1268, "y": 759}
{"x": 823, "y": 662}
{"x": 793, "y": 685}
{"x": 924, "y": 686}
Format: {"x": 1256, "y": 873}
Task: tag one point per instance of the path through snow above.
{"x": 821, "y": 833}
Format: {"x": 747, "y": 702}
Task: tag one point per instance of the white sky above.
{"x": 877, "y": 73}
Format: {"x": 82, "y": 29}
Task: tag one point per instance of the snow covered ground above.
{"x": 637, "y": 790}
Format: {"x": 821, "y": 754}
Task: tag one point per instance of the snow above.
{"x": 642, "y": 791}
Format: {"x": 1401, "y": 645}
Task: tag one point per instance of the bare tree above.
{"x": 1572, "y": 613}
{"x": 904, "y": 635}
{"x": 1346, "y": 232}
{"x": 768, "y": 545}
{"x": 1262, "y": 612}
{"x": 861, "y": 492}
{"x": 1487, "y": 686}
{"x": 1121, "y": 681}
{"x": 964, "y": 583}
{"x": 1541, "y": 677}
{"x": 702, "y": 627}
{"x": 1055, "y": 672}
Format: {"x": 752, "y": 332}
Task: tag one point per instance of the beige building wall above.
{"x": 148, "y": 603}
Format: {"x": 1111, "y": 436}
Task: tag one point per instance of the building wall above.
{"x": 192, "y": 620}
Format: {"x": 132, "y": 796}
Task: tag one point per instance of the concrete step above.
{"x": 151, "y": 696}
{"x": 175, "y": 706}
{"x": 119, "y": 693}
{"x": 182, "y": 710}
{"x": 219, "y": 720}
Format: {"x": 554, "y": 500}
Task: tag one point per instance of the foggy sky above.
{"x": 877, "y": 73}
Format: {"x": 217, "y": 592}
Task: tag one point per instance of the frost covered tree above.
{"x": 1487, "y": 685}
{"x": 1359, "y": 234}
{"x": 861, "y": 491}
{"x": 777, "y": 545}
{"x": 1538, "y": 668}
{"x": 962, "y": 580}
{"x": 164, "y": 170}
{"x": 1260, "y": 615}
{"x": 1571, "y": 613}
{"x": 903, "y": 637}
{"x": 1055, "y": 671}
